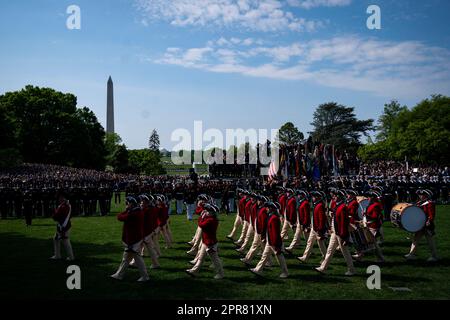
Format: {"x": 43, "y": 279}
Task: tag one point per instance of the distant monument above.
{"x": 110, "y": 107}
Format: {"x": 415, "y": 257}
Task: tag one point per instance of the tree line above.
{"x": 41, "y": 125}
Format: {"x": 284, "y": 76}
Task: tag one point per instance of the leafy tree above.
{"x": 336, "y": 124}
{"x": 50, "y": 129}
{"x": 120, "y": 159}
{"x": 421, "y": 134}
{"x": 289, "y": 134}
{"x": 145, "y": 162}
{"x": 9, "y": 155}
{"x": 387, "y": 119}
{"x": 112, "y": 143}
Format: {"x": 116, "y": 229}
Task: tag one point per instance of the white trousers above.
{"x": 213, "y": 254}
{"x": 268, "y": 252}
{"x": 430, "y": 239}
{"x": 256, "y": 244}
{"x": 336, "y": 241}
{"x": 150, "y": 246}
{"x": 243, "y": 232}
{"x": 313, "y": 237}
{"x": 286, "y": 227}
{"x": 66, "y": 243}
{"x": 237, "y": 222}
{"x": 128, "y": 256}
{"x": 248, "y": 237}
{"x": 197, "y": 241}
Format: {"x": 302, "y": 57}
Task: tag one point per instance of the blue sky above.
{"x": 230, "y": 63}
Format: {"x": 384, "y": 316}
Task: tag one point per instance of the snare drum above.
{"x": 362, "y": 207}
{"x": 408, "y": 217}
{"x": 362, "y": 240}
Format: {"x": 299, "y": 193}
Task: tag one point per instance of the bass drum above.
{"x": 363, "y": 204}
{"x": 408, "y": 217}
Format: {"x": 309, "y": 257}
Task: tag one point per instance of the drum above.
{"x": 408, "y": 217}
{"x": 362, "y": 240}
{"x": 363, "y": 204}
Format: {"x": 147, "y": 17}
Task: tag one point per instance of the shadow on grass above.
{"x": 97, "y": 261}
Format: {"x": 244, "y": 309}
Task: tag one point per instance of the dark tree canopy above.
{"x": 145, "y": 162}
{"x": 9, "y": 154}
{"x": 120, "y": 160}
{"x": 49, "y": 128}
{"x": 337, "y": 125}
{"x": 421, "y": 134}
{"x": 289, "y": 134}
{"x": 153, "y": 141}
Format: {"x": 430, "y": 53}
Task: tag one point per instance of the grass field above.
{"x": 26, "y": 272}
{"x": 182, "y": 170}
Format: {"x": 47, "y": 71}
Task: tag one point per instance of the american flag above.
{"x": 273, "y": 170}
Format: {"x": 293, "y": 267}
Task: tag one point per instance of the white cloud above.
{"x": 308, "y": 4}
{"x": 255, "y": 15}
{"x": 400, "y": 69}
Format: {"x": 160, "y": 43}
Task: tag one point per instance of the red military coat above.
{"x": 133, "y": 225}
{"x": 60, "y": 216}
{"x": 248, "y": 210}
{"x": 253, "y": 213}
{"x": 341, "y": 221}
{"x": 304, "y": 215}
{"x": 291, "y": 209}
{"x": 163, "y": 215}
{"x": 150, "y": 220}
{"x": 274, "y": 232}
{"x": 429, "y": 207}
{"x": 374, "y": 215}
{"x": 209, "y": 224}
{"x": 261, "y": 221}
{"x": 320, "y": 219}
{"x": 353, "y": 211}
{"x": 282, "y": 199}
{"x": 241, "y": 206}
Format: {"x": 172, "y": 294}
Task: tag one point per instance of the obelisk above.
{"x": 110, "y": 107}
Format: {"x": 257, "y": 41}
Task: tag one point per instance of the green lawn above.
{"x": 26, "y": 273}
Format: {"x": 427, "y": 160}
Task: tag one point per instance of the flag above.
{"x": 273, "y": 170}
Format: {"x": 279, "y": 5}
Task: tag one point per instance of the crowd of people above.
{"x": 30, "y": 190}
{"x": 328, "y": 211}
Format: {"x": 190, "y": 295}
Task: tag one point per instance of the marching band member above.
{"x": 274, "y": 242}
{"x": 197, "y": 240}
{"x": 282, "y": 200}
{"x": 150, "y": 225}
{"x": 163, "y": 219}
{"x": 62, "y": 216}
{"x": 319, "y": 227}
{"x": 352, "y": 206}
{"x": 339, "y": 236}
{"x": 260, "y": 229}
{"x": 290, "y": 215}
{"x": 253, "y": 208}
{"x": 246, "y": 226}
{"x": 429, "y": 207}
{"x": 373, "y": 219}
{"x": 209, "y": 223}
{"x": 240, "y": 214}
{"x": 303, "y": 224}
{"x": 132, "y": 235}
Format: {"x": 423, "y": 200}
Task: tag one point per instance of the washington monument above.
{"x": 110, "y": 107}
